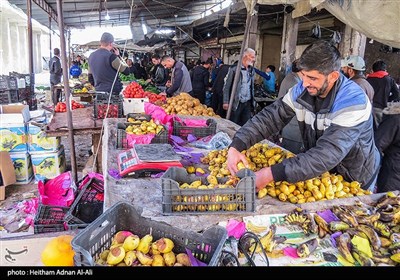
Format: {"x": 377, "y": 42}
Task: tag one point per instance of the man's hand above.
{"x": 225, "y": 106}
{"x": 168, "y": 84}
{"x": 263, "y": 177}
{"x": 234, "y": 157}
{"x": 148, "y": 80}
{"x": 163, "y": 93}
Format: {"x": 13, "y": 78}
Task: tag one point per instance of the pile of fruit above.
{"x": 184, "y": 104}
{"x": 143, "y": 127}
{"x": 135, "y": 90}
{"x": 128, "y": 249}
{"x": 327, "y": 186}
{"x": 62, "y": 106}
{"x": 101, "y": 111}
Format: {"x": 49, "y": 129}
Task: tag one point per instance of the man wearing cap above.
{"x": 353, "y": 67}
{"x": 104, "y": 65}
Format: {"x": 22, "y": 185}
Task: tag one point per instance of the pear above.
{"x": 153, "y": 249}
{"x": 144, "y": 259}
{"x": 183, "y": 259}
{"x": 120, "y": 236}
{"x": 131, "y": 242}
{"x": 129, "y": 258}
{"x": 144, "y": 244}
{"x": 158, "y": 260}
{"x": 104, "y": 254}
{"x": 116, "y": 255}
{"x": 164, "y": 245}
{"x": 169, "y": 258}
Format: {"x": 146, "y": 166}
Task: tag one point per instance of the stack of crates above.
{"x": 26, "y": 89}
{"x": 8, "y": 90}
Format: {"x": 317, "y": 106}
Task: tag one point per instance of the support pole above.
{"x": 50, "y": 37}
{"x": 30, "y": 36}
{"x": 66, "y": 89}
{"x": 239, "y": 65}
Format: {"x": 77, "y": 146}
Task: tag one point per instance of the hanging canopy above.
{"x": 378, "y": 20}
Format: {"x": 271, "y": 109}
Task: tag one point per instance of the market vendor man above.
{"x": 104, "y": 65}
{"x": 335, "y": 121}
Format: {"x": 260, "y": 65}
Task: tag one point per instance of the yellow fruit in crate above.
{"x": 58, "y": 252}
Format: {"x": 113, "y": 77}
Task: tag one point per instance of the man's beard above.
{"x": 322, "y": 90}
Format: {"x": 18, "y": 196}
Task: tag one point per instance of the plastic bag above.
{"x": 59, "y": 191}
{"x": 133, "y": 139}
{"x": 219, "y": 141}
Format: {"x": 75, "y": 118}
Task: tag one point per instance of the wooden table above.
{"x": 83, "y": 124}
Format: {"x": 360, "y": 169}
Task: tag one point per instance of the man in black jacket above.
{"x": 387, "y": 138}
{"x": 335, "y": 120}
{"x": 55, "y": 75}
{"x": 104, "y": 65}
{"x": 385, "y": 89}
{"x": 201, "y": 81}
{"x": 158, "y": 74}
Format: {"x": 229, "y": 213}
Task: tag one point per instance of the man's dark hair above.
{"x": 272, "y": 67}
{"x": 56, "y": 51}
{"x": 295, "y": 67}
{"x": 379, "y": 65}
{"x": 155, "y": 56}
{"x": 321, "y": 56}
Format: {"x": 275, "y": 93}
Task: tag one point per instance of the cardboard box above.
{"x": 14, "y": 114}
{"x": 13, "y": 137}
{"x": 48, "y": 165}
{"x": 26, "y": 250}
{"x": 22, "y": 167}
{"x": 7, "y": 174}
{"x": 134, "y": 105}
{"x": 39, "y": 142}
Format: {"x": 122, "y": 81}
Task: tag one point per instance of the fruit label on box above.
{"x": 13, "y": 138}
{"x": 48, "y": 165}
{"x": 23, "y": 167}
{"x": 38, "y": 141}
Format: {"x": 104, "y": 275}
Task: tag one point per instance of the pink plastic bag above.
{"x": 133, "y": 139}
{"x": 59, "y": 191}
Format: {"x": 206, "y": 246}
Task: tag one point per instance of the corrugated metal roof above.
{"x": 80, "y": 13}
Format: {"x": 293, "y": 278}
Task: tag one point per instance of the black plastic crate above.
{"x": 122, "y": 143}
{"x": 97, "y": 237}
{"x": 50, "y": 219}
{"x": 49, "y": 228}
{"x": 12, "y": 83}
{"x": 47, "y": 214}
{"x": 101, "y": 103}
{"x": 86, "y": 201}
{"x": 4, "y": 97}
{"x": 3, "y": 83}
{"x": 138, "y": 117}
{"x": 177, "y": 201}
{"x": 182, "y": 130}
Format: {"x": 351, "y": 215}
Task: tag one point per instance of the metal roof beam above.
{"x": 47, "y": 8}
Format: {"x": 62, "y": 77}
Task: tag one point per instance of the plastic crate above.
{"x": 96, "y": 237}
{"x": 86, "y": 198}
{"x": 49, "y": 228}
{"x": 182, "y": 130}
{"x": 101, "y": 104}
{"x": 177, "y": 201}
{"x": 50, "y": 218}
{"x": 122, "y": 143}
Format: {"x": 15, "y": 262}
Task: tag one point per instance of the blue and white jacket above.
{"x": 339, "y": 138}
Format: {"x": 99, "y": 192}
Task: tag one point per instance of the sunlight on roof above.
{"x": 89, "y": 34}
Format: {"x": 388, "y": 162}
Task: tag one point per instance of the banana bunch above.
{"x": 302, "y": 219}
{"x": 250, "y": 226}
